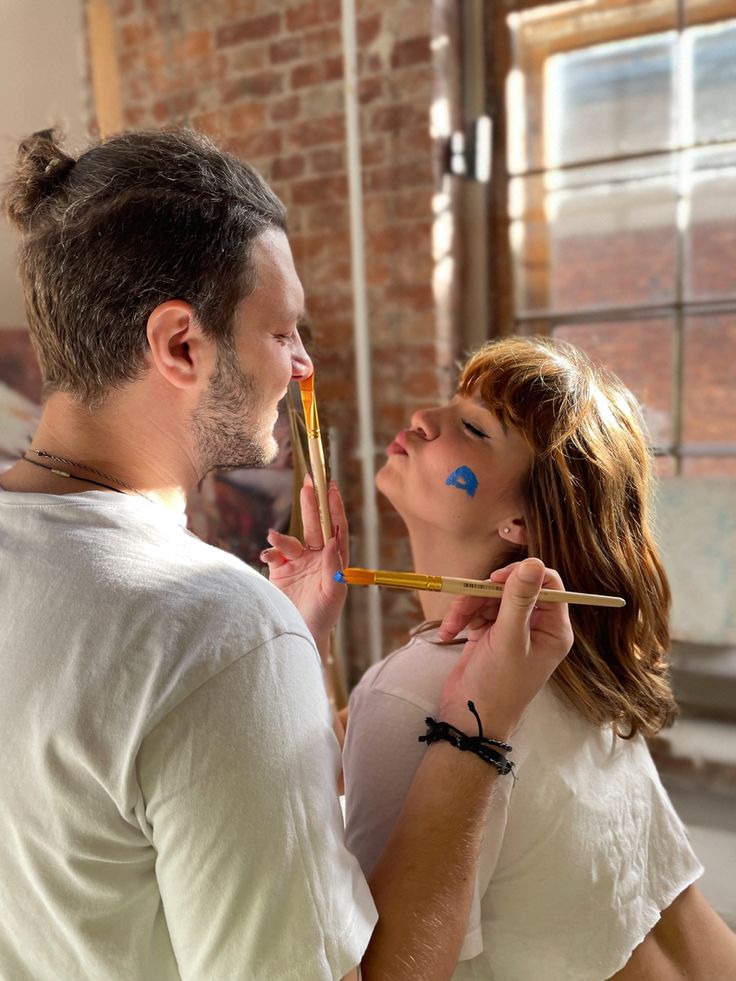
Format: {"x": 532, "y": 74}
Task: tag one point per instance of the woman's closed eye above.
{"x": 474, "y": 430}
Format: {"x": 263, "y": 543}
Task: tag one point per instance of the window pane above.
{"x": 710, "y": 246}
{"x": 591, "y": 79}
{"x": 640, "y": 353}
{"x": 611, "y": 99}
{"x": 595, "y": 237}
{"x": 714, "y": 80}
{"x": 709, "y": 408}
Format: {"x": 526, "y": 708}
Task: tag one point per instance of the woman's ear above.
{"x": 178, "y": 349}
{"x": 513, "y": 530}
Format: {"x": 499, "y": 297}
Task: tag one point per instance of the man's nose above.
{"x": 301, "y": 363}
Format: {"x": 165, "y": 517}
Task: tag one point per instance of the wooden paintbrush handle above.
{"x": 317, "y": 460}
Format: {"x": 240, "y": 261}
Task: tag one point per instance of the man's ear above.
{"x": 513, "y": 530}
{"x": 179, "y": 350}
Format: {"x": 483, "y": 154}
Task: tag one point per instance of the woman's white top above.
{"x": 581, "y": 854}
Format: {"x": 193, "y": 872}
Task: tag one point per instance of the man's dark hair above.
{"x": 137, "y": 219}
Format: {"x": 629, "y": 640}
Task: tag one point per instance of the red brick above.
{"x": 154, "y": 56}
{"x": 320, "y": 189}
{"x": 288, "y": 49}
{"x": 246, "y": 60}
{"x": 286, "y": 168}
{"x": 135, "y": 34}
{"x": 313, "y": 248}
{"x": 314, "y": 12}
{"x": 194, "y": 44}
{"x": 333, "y": 68}
{"x": 253, "y": 29}
{"x": 399, "y": 176}
{"x": 314, "y": 132}
{"x": 367, "y": 29}
{"x": 261, "y": 143}
{"x": 373, "y": 152}
{"x": 174, "y": 108}
{"x": 129, "y": 61}
{"x": 401, "y": 238}
{"x": 417, "y": 297}
{"x": 413, "y": 51}
{"x": 245, "y": 117}
{"x": 311, "y": 73}
{"x": 285, "y": 109}
{"x": 317, "y": 218}
{"x": 411, "y": 204}
{"x": 327, "y": 159}
{"x": 263, "y": 83}
{"x": 323, "y": 40}
{"x": 370, "y": 63}
{"x": 398, "y": 117}
{"x": 370, "y": 89}
{"x": 210, "y": 123}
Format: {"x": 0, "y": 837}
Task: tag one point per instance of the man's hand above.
{"x": 514, "y": 645}
{"x": 305, "y": 572}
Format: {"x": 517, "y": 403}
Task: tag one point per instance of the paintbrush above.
{"x": 463, "y": 587}
{"x": 316, "y": 454}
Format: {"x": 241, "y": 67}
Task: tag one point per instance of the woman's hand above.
{"x": 306, "y": 572}
{"x": 514, "y": 645}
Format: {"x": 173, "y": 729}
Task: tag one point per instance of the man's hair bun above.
{"x": 41, "y": 169}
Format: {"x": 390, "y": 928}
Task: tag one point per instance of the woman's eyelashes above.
{"x": 474, "y": 430}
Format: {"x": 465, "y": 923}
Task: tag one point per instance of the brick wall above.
{"x": 266, "y": 80}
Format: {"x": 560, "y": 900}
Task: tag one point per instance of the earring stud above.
{"x": 506, "y": 531}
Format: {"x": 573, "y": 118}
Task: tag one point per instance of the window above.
{"x": 621, "y": 203}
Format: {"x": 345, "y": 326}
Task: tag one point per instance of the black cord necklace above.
{"x": 80, "y": 466}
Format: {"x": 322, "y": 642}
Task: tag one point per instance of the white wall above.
{"x": 42, "y": 83}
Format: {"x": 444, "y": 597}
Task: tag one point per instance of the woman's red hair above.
{"x": 587, "y": 515}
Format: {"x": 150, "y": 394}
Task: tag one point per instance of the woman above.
{"x": 542, "y": 454}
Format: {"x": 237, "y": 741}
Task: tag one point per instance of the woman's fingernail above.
{"x": 264, "y": 555}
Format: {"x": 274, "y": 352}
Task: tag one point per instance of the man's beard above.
{"x": 228, "y": 423}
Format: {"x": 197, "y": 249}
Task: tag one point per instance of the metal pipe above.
{"x": 366, "y": 440}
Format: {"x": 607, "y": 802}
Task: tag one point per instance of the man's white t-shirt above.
{"x": 167, "y": 761}
{"x": 581, "y": 854}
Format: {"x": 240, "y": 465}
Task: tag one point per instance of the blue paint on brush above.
{"x": 464, "y": 479}
{"x": 339, "y": 577}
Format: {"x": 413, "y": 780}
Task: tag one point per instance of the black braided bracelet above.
{"x": 480, "y": 745}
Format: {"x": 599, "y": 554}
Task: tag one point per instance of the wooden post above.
{"x": 104, "y": 67}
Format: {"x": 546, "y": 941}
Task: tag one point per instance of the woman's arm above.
{"x": 689, "y": 941}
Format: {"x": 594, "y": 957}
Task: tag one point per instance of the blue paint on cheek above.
{"x": 339, "y": 577}
{"x": 464, "y": 479}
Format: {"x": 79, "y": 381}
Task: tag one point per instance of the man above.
{"x": 169, "y": 766}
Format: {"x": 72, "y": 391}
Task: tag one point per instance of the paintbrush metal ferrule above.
{"x": 407, "y": 580}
